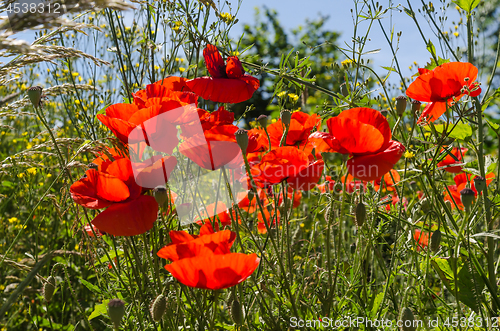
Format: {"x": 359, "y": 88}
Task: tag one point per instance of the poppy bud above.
{"x": 262, "y": 119}
{"x": 116, "y": 311}
{"x": 467, "y": 196}
{"x": 448, "y": 204}
{"x": 92, "y": 166}
{"x": 413, "y": 185}
{"x": 343, "y": 89}
{"x": 415, "y": 106}
{"x": 400, "y": 105}
{"x": 426, "y": 206}
{"x": 35, "y": 95}
{"x": 251, "y": 195}
{"x": 236, "y": 312}
{"x": 242, "y": 139}
{"x": 160, "y": 194}
{"x": 435, "y": 240}
{"x": 234, "y": 69}
{"x": 480, "y": 183}
{"x": 158, "y": 308}
{"x": 353, "y": 248}
{"x": 360, "y": 214}
{"x": 286, "y": 116}
{"x": 48, "y": 288}
{"x": 407, "y": 320}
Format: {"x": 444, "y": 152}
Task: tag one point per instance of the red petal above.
{"x": 174, "y": 83}
{"x": 308, "y": 177}
{"x": 224, "y": 90}
{"x": 209, "y": 155}
{"x": 178, "y": 237}
{"x": 432, "y": 112}
{"x": 128, "y": 218}
{"x": 234, "y": 69}
{"x": 373, "y": 166}
{"x": 154, "y": 171}
{"x": 122, "y": 169}
{"x": 214, "y": 272}
{"x": 214, "y": 62}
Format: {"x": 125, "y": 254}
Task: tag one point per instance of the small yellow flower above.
{"x": 294, "y": 97}
{"x": 77, "y": 101}
{"x": 226, "y": 17}
{"x": 181, "y": 69}
{"x": 346, "y": 62}
{"x": 281, "y": 94}
{"x": 13, "y": 220}
{"x": 456, "y": 34}
{"x": 31, "y": 171}
{"x": 409, "y": 155}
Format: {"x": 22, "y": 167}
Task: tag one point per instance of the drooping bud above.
{"x": 435, "y": 240}
{"x": 480, "y": 183}
{"x": 236, "y": 312}
{"x": 251, "y": 195}
{"x": 360, "y": 214}
{"x": 234, "y": 69}
{"x": 415, "y": 106}
{"x": 467, "y": 196}
{"x": 160, "y": 194}
{"x": 262, "y": 119}
{"x": 35, "y": 95}
{"x": 158, "y": 308}
{"x": 242, "y": 139}
{"x": 343, "y": 89}
{"x": 116, "y": 311}
{"x": 48, "y": 288}
{"x": 407, "y": 320}
{"x": 286, "y": 116}
{"x": 400, "y": 105}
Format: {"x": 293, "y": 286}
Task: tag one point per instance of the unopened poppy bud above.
{"x": 353, "y": 248}
{"x": 407, "y": 320}
{"x": 448, "y": 204}
{"x": 35, "y": 95}
{"x": 251, "y": 195}
{"x": 236, "y": 312}
{"x": 426, "y": 206}
{"x": 234, "y": 69}
{"x": 242, "y": 139}
{"x": 343, "y": 89}
{"x": 262, "y": 119}
{"x": 160, "y": 194}
{"x": 48, "y": 288}
{"x": 286, "y": 116}
{"x": 400, "y": 105}
{"x": 116, "y": 311}
{"x": 467, "y": 196}
{"x": 360, "y": 214}
{"x": 158, "y": 308}
{"x": 415, "y": 106}
{"x": 384, "y": 112}
{"x": 435, "y": 240}
{"x": 480, "y": 183}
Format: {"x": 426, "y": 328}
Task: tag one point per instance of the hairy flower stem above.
{"x": 482, "y": 171}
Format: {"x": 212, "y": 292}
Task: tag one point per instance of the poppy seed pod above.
{"x": 400, "y": 105}
{"x": 480, "y": 183}
{"x": 236, "y": 312}
{"x": 360, "y": 214}
{"x": 242, "y": 139}
{"x": 48, "y": 288}
{"x": 158, "y": 308}
{"x": 35, "y": 95}
{"x": 286, "y": 116}
{"x": 435, "y": 240}
{"x": 116, "y": 311}
{"x": 467, "y": 196}
{"x": 160, "y": 194}
{"x": 262, "y": 119}
{"x": 251, "y": 195}
{"x": 415, "y": 106}
{"x": 407, "y": 320}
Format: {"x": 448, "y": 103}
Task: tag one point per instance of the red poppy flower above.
{"x": 279, "y": 164}
{"x": 214, "y": 271}
{"x": 373, "y": 166}
{"x": 251, "y": 206}
{"x": 171, "y": 88}
{"x": 228, "y": 82}
{"x": 293, "y": 196}
{"x": 388, "y": 181}
{"x": 210, "y": 214}
{"x": 301, "y": 125}
{"x": 444, "y": 85}
{"x": 271, "y": 218}
{"x": 307, "y": 178}
{"x": 422, "y": 239}
{"x": 448, "y": 160}
{"x": 216, "y": 243}
{"x": 154, "y": 171}
{"x": 257, "y": 141}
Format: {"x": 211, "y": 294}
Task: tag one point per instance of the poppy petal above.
{"x": 308, "y": 177}
{"x": 214, "y": 272}
{"x": 214, "y": 62}
{"x": 432, "y": 112}
{"x": 373, "y": 166}
{"x": 128, "y": 218}
{"x": 224, "y": 90}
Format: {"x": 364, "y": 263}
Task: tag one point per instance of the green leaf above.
{"x": 6, "y": 183}
{"x": 409, "y": 12}
{"x": 494, "y": 126}
{"x": 431, "y": 48}
{"x": 100, "y": 309}
{"x": 90, "y": 286}
{"x": 467, "y": 5}
{"x": 390, "y": 69}
{"x": 467, "y": 286}
{"x": 460, "y": 131}
{"x": 432, "y": 64}
{"x": 376, "y": 304}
